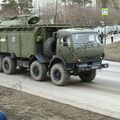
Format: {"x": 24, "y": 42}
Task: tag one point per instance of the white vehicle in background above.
{"x": 99, "y": 30}
{"x": 116, "y": 29}
{"x": 109, "y": 30}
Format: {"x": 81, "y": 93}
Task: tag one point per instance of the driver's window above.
{"x": 65, "y": 40}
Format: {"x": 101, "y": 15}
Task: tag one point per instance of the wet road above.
{"x": 101, "y": 96}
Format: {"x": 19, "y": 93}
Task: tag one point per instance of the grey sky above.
{"x": 0, "y": 1}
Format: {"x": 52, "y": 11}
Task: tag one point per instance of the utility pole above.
{"x": 105, "y": 21}
{"x": 105, "y": 14}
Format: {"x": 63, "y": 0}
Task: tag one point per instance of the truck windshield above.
{"x": 85, "y": 38}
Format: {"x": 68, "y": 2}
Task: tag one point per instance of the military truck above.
{"x": 57, "y": 50}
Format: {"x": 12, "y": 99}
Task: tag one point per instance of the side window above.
{"x": 65, "y": 40}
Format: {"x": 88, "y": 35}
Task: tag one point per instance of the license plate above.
{"x": 95, "y": 67}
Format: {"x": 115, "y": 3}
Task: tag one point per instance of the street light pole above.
{"x": 105, "y": 29}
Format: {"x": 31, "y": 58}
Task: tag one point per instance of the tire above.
{"x": 59, "y": 75}
{"x": 8, "y": 65}
{"x": 1, "y": 59}
{"x": 87, "y": 76}
{"x": 38, "y": 71}
{"x": 49, "y": 47}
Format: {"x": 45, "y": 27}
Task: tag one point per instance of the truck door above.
{"x": 64, "y": 48}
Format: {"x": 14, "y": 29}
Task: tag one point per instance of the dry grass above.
{"x": 112, "y": 51}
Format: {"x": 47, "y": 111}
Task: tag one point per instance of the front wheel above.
{"x": 87, "y": 76}
{"x": 38, "y": 71}
{"x": 59, "y": 75}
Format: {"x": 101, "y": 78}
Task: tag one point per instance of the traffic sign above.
{"x": 104, "y": 11}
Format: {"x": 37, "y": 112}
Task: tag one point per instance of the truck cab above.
{"x": 78, "y": 52}
{"x": 79, "y": 45}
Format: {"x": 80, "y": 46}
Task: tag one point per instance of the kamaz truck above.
{"x": 55, "y": 50}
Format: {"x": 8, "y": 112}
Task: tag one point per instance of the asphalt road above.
{"x": 101, "y": 96}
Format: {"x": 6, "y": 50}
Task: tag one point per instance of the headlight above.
{"x": 79, "y": 60}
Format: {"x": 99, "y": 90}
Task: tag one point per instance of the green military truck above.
{"x": 57, "y": 50}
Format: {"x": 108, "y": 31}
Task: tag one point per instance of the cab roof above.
{"x": 75, "y": 31}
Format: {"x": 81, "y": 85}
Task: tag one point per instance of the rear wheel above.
{"x": 38, "y": 71}
{"x": 1, "y": 59}
{"x": 87, "y": 76}
{"x": 8, "y": 65}
{"x": 59, "y": 75}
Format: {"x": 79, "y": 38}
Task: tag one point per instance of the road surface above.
{"x": 101, "y": 96}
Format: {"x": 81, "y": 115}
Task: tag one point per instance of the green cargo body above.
{"x": 21, "y": 43}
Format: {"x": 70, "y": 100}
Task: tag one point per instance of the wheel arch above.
{"x": 55, "y": 60}
{"x": 40, "y": 59}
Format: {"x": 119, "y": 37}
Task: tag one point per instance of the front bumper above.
{"x": 86, "y": 67}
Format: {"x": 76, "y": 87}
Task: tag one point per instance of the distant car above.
{"x": 99, "y": 30}
{"x": 118, "y": 28}
{"x": 109, "y": 30}
{"x": 115, "y": 28}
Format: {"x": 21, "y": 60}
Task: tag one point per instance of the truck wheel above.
{"x": 59, "y": 75}
{"x": 38, "y": 71}
{"x": 87, "y": 76}
{"x": 8, "y": 65}
{"x": 1, "y": 59}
